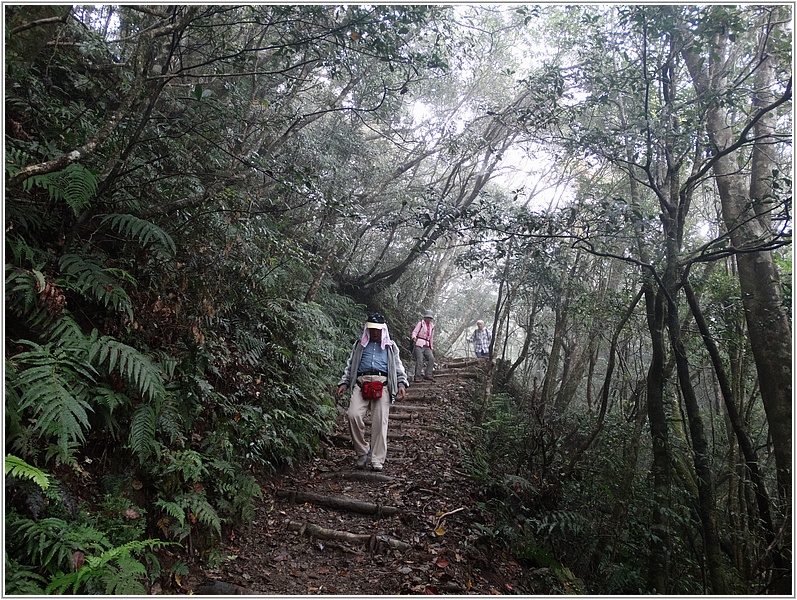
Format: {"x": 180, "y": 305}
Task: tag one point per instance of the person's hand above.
{"x": 342, "y": 390}
{"x": 401, "y": 394}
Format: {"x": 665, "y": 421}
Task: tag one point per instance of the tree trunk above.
{"x": 767, "y": 322}
{"x": 745, "y": 217}
{"x": 658, "y": 561}
{"x": 700, "y": 451}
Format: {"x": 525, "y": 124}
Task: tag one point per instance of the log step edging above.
{"x": 372, "y": 541}
{"x": 339, "y": 502}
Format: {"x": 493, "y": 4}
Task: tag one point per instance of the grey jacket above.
{"x": 396, "y": 375}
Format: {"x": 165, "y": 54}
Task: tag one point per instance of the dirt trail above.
{"x": 327, "y": 528}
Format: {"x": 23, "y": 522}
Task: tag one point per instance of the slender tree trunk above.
{"x": 700, "y": 450}
{"x": 745, "y": 443}
{"x": 658, "y": 560}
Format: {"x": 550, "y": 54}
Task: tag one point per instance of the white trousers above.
{"x": 380, "y": 413}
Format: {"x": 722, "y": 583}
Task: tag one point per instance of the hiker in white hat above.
{"x": 481, "y": 338}
{"x": 423, "y": 346}
{"x": 375, "y": 376}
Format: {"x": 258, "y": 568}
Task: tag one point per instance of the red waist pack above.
{"x": 372, "y": 390}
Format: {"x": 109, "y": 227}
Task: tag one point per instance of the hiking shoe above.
{"x": 363, "y": 460}
{"x": 376, "y": 466}
{"x": 418, "y": 379}
{"x": 429, "y": 378}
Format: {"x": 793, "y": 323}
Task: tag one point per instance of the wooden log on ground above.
{"x": 372, "y": 541}
{"x": 465, "y": 363}
{"x": 394, "y": 432}
{"x": 339, "y": 502}
{"x": 409, "y": 408}
{"x": 434, "y": 428}
{"x": 416, "y": 427}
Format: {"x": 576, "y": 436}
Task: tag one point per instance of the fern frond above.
{"x": 95, "y": 282}
{"x": 24, "y": 221}
{"x": 22, "y": 580}
{"x": 135, "y": 367}
{"x": 23, "y": 288}
{"x": 16, "y": 467}
{"x": 22, "y": 252}
{"x": 76, "y": 185}
{"x": 202, "y": 510}
{"x": 50, "y": 542}
{"x": 142, "y": 432}
{"x": 170, "y": 421}
{"x": 174, "y": 510}
{"x": 53, "y": 389}
{"x": 124, "y": 579}
{"x": 16, "y": 160}
{"x": 111, "y": 399}
{"x": 116, "y": 568}
{"x": 66, "y": 331}
{"x": 145, "y": 232}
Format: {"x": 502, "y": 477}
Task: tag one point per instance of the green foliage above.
{"x": 64, "y": 549}
{"x": 21, "y": 580}
{"x": 115, "y": 571}
{"x": 50, "y": 542}
{"x": 88, "y": 277}
{"x": 134, "y": 367}
{"x": 23, "y": 288}
{"x": 143, "y": 431}
{"x": 121, "y": 520}
{"x": 187, "y": 512}
{"x": 144, "y": 232}
{"x": 52, "y": 382}
{"x": 75, "y": 185}
{"x": 16, "y": 467}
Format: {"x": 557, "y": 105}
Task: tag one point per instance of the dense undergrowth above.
{"x": 585, "y": 523}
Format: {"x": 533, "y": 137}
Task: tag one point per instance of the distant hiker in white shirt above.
{"x": 481, "y": 338}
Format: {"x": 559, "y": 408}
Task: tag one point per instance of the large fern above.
{"x": 87, "y": 277}
{"x": 23, "y": 287}
{"x": 76, "y": 185}
{"x": 22, "y": 580}
{"x": 141, "y": 230}
{"x": 116, "y": 570}
{"x": 134, "y": 367}
{"x": 16, "y": 467}
{"x": 53, "y": 385}
{"x": 185, "y": 512}
{"x": 51, "y": 542}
